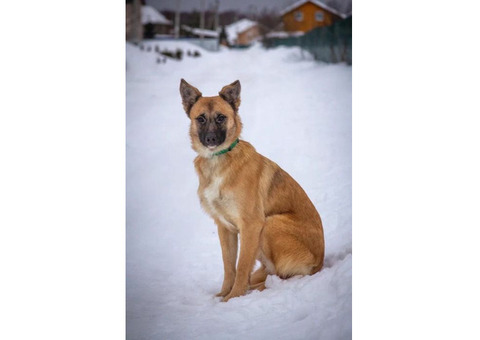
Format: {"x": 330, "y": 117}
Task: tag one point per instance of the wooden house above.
{"x": 243, "y": 32}
{"x": 154, "y": 22}
{"x": 303, "y": 16}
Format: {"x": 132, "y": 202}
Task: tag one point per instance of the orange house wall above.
{"x": 246, "y": 37}
{"x": 308, "y": 23}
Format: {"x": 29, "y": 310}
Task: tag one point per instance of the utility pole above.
{"x": 177, "y": 19}
{"x": 217, "y": 4}
{"x": 216, "y": 22}
{"x": 202, "y": 18}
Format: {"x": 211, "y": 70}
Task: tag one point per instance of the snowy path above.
{"x": 297, "y": 113}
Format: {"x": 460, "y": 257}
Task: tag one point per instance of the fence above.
{"x": 332, "y": 44}
{"x": 208, "y": 44}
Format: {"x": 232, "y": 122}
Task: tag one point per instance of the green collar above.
{"x": 227, "y": 149}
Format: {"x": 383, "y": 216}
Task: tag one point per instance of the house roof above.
{"x": 152, "y": 16}
{"x": 199, "y": 31}
{"x": 341, "y": 8}
{"x": 233, "y": 30}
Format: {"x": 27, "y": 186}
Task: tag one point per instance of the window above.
{"x": 298, "y": 15}
{"x": 319, "y": 16}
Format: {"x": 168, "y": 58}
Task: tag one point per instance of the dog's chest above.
{"x": 211, "y": 192}
{"x": 218, "y": 202}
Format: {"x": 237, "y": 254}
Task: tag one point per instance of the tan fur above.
{"x": 249, "y": 195}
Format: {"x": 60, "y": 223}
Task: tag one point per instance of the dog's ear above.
{"x": 231, "y": 94}
{"x": 190, "y": 95}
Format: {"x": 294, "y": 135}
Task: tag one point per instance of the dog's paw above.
{"x": 222, "y": 293}
{"x": 226, "y": 288}
{"x": 228, "y": 297}
{"x": 234, "y": 294}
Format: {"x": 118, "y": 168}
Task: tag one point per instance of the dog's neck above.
{"x": 221, "y": 152}
{"x": 231, "y": 161}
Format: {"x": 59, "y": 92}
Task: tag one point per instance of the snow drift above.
{"x": 296, "y": 112}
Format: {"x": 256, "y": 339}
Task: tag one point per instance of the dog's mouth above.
{"x": 212, "y": 139}
{"x": 210, "y": 146}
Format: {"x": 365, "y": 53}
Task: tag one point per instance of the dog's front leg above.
{"x": 229, "y": 244}
{"x": 249, "y": 242}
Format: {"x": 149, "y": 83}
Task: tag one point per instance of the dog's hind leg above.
{"x": 258, "y": 278}
{"x": 292, "y": 253}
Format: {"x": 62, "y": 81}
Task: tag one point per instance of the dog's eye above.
{"x": 220, "y": 118}
{"x": 201, "y": 119}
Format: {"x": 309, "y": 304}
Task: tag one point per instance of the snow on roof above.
{"x": 315, "y": 2}
{"x": 283, "y": 34}
{"x": 151, "y": 15}
{"x": 233, "y": 30}
{"x": 204, "y": 32}
{"x": 277, "y": 35}
{"x": 199, "y": 31}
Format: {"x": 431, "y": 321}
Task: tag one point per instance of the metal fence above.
{"x": 332, "y": 44}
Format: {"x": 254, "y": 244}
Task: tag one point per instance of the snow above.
{"x": 200, "y": 31}
{"x": 318, "y": 3}
{"x": 151, "y": 15}
{"x": 296, "y": 112}
{"x": 283, "y": 34}
{"x": 233, "y": 30}
{"x": 280, "y": 34}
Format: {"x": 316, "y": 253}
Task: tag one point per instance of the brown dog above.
{"x": 248, "y": 194}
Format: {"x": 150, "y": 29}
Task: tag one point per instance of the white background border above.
{"x": 415, "y": 171}
{"x": 62, "y": 137}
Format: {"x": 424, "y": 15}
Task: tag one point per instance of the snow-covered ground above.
{"x": 295, "y": 111}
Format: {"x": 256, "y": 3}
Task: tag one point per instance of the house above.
{"x": 243, "y": 32}
{"x": 154, "y": 22}
{"x": 303, "y": 16}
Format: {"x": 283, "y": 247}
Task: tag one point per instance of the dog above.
{"x": 249, "y": 197}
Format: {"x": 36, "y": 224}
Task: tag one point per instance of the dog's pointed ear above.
{"x": 231, "y": 94}
{"x": 190, "y": 95}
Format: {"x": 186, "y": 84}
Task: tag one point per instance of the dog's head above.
{"x": 214, "y": 121}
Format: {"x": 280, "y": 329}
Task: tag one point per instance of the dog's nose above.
{"x": 211, "y": 139}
